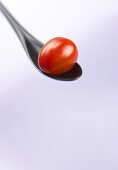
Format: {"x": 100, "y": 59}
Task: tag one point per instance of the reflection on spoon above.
{"x": 32, "y": 47}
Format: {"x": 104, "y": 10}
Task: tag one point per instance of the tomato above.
{"x": 58, "y": 56}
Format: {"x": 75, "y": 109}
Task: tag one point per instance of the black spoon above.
{"x": 32, "y": 47}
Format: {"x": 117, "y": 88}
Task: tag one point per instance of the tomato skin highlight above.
{"x": 58, "y": 56}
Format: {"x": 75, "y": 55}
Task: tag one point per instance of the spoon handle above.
{"x": 16, "y": 26}
{"x": 20, "y": 31}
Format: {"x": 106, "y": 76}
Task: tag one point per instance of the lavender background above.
{"x": 52, "y": 125}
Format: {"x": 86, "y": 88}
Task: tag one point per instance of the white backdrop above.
{"x": 52, "y": 125}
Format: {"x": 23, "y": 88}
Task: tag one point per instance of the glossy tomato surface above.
{"x": 58, "y": 56}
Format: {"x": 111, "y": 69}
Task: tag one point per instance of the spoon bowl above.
{"x": 32, "y": 47}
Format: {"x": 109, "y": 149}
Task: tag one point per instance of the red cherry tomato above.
{"x": 58, "y": 56}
